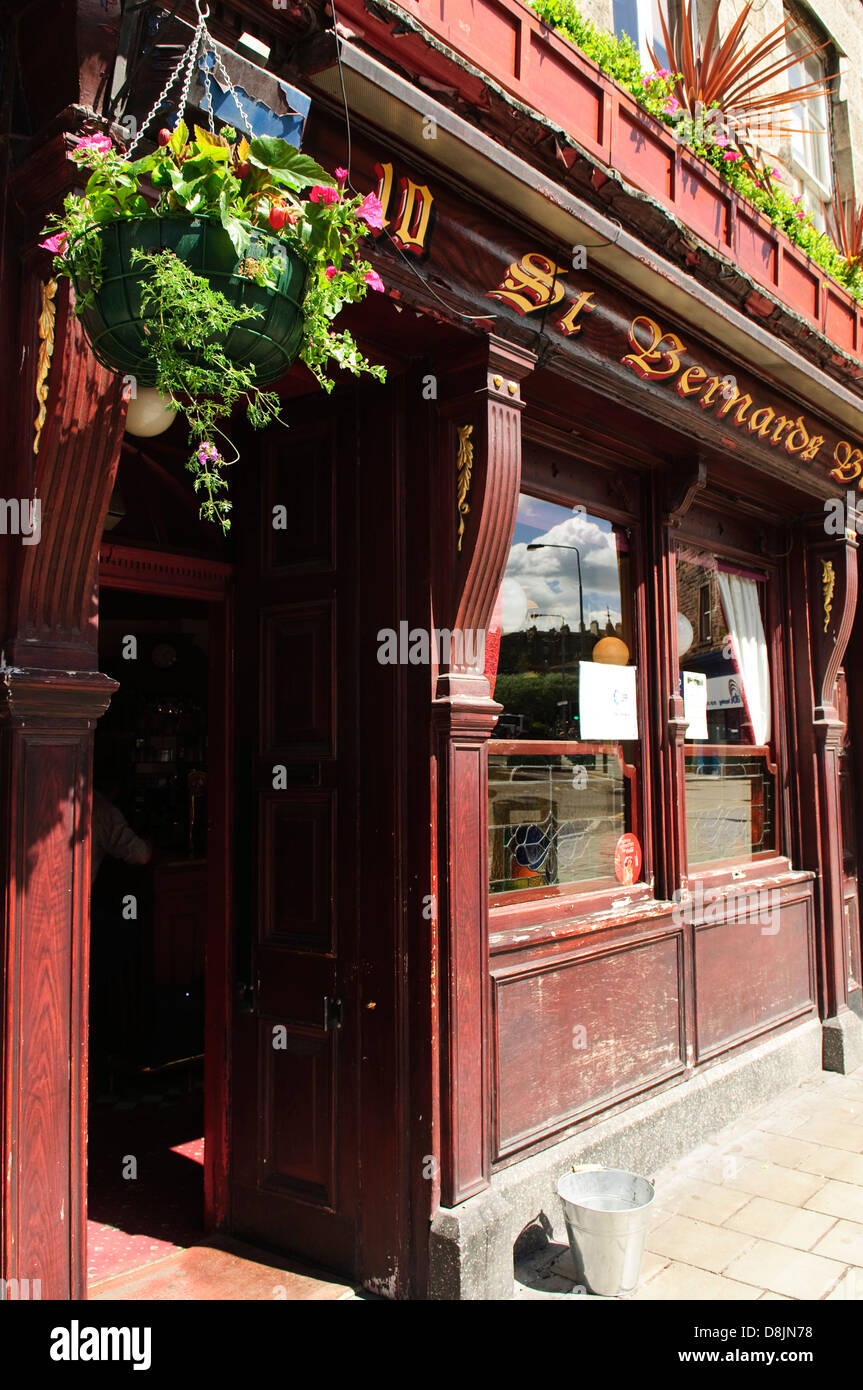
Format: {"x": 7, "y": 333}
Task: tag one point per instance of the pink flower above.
{"x": 671, "y": 105}
{"x": 646, "y": 81}
{"x": 319, "y": 194}
{"x": 662, "y": 72}
{"x": 797, "y": 198}
{"x": 722, "y": 141}
{"x": 341, "y": 176}
{"x": 331, "y": 272}
{"x": 100, "y": 143}
{"x": 206, "y": 452}
{"x": 374, "y": 281}
{"x": 774, "y": 174}
{"x": 57, "y": 244}
{"x": 371, "y": 212}
{"x": 800, "y": 215}
{"x": 730, "y": 156}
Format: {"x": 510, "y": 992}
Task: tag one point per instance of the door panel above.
{"x": 294, "y": 1079}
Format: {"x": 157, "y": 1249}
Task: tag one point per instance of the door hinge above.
{"x": 333, "y": 1017}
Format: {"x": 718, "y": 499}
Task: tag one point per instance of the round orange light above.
{"x": 610, "y": 651}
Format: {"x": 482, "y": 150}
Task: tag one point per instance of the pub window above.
{"x": 563, "y": 759}
{"x": 725, "y": 682}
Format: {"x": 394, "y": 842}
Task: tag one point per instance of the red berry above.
{"x": 164, "y": 136}
{"x": 278, "y": 217}
{"x": 244, "y": 169}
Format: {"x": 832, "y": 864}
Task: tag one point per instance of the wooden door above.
{"x": 848, "y": 807}
{"x": 294, "y": 1182}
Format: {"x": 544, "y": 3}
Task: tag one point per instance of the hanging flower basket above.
{"x": 119, "y": 328}
{"x": 204, "y": 268}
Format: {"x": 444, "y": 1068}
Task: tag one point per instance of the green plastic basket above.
{"x": 115, "y": 325}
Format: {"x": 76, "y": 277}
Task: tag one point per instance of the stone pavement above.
{"x": 771, "y": 1208}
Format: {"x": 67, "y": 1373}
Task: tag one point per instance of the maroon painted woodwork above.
{"x": 294, "y": 1138}
{"x": 777, "y": 985}
{"x": 832, "y": 599}
{"x": 562, "y": 1050}
{"x": 52, "y": 697}
{"x": 51, "y": 623}
{"x": 463, "y": 716}
{"x": 46, "y": 730}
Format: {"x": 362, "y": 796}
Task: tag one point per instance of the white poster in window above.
{"x": 606, "y": 701}
{"x": 695, "y": 704}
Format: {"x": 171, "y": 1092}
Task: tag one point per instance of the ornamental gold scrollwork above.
{"x": 828, "y": 584}
{"x": 464, "y": 464}
{"x": 47, "y": 315}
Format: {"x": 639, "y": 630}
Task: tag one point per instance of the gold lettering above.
{"x": 384, "y": 190}
{"x": 531, "y": 284}
{"x": 412, "y": 218}
{"x": 714, "y": 384}
{"x": 646, "y": 361}
{"x": 761, "y": 420}
{"x": 782, "y": 422}
{"x": 568, "y": 323}
{"x": 734, "y": 401}
{"x": 696, "y": 374}
{"x": 799, "y": 429}
{"x": 814, "y": 445}
{"x": 848, "y": 458}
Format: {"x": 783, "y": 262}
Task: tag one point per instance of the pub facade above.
{"x": 523, "y": 693}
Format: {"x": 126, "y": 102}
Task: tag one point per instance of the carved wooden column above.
{"x": 831, "y": 572}
{"x": 482, "y": 445}
{"x": 51, "y": 695}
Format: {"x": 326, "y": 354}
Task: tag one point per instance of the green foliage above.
{"x": 246, "y": 186}
{"x": 620, "y": 60}
{"x": 187, "y": 316}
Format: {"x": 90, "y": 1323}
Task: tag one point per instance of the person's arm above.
{"x": 122, "y": 842}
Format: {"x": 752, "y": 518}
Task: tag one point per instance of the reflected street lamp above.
{"x": 550, "y": 545}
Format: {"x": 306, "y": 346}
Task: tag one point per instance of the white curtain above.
{"x": 743, "y": 615}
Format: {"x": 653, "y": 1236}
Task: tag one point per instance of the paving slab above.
{"x": 780, "y": 1222}
{"x": 783, "y": 1270}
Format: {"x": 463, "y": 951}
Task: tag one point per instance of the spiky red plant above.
{"x": 845, "y": 222}
{"x": 731, "y": 73}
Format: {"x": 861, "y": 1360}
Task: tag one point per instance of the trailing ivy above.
{"x": 620, "y": 59}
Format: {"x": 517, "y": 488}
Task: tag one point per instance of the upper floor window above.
{"x": 810, "y": 121}
{"x": 639, "y": 20}
{"x": 563, "y": 761}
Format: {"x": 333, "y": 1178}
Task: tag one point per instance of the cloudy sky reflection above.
{"x": 549, "y": 578}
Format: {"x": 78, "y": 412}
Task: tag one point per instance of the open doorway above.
{"x": 159, "y": 914}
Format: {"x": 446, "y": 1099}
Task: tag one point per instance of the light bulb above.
{"x": 148, "y": 414}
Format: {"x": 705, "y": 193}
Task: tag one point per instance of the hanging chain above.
{"x": 202, "y": 39}
{"x": 220, "y": 66}
{"x": 186, "y": 61}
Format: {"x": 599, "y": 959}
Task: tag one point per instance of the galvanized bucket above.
{"x": 607, "y": 1214}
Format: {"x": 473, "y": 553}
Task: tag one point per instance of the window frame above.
{"x": 798, "y": 41}
{"x": 579, "y": 900}
{"x": 649, "y": 30}
{"x": 720, "y": 872}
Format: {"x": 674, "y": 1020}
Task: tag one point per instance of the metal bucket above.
{"x": 607, "y": 1214}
